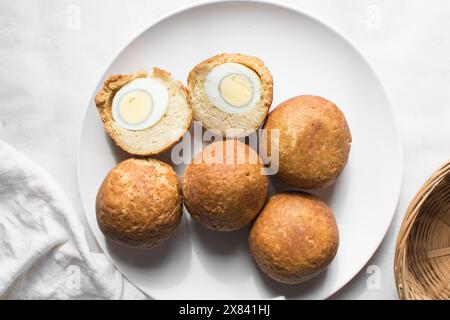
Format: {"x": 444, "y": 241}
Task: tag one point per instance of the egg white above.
{"x": 159, "y": 96}
{"x": 215, "y": 76}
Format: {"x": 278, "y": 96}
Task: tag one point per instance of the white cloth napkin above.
{"x": 43, "y": 251}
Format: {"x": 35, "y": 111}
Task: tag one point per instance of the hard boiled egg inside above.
{"x": 233, "y": 88}
{"x": 140, "y": 103}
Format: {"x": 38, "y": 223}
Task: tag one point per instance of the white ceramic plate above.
{"x": 305, "y": 57}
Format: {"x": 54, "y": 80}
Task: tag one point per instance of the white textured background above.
{"x": 49, "y": 67}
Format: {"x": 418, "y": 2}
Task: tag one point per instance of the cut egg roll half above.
{"x": 231, "y": 94}
{"x": 145, "y": 114}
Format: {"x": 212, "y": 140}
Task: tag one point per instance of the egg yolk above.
{"x": 236, "y": 89}
{"x": 135, "y": 107}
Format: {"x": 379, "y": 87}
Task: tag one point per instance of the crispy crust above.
{"x": 139, "y": 203}
{"x": 294, "y": 238}
{"x": 222, "y": 196}
{"x": 103, "y": 100}
{"x": 314, "y": 143}
{"x": 251, "y": 120}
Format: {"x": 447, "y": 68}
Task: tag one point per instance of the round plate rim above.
{"x": 181, "y": 9}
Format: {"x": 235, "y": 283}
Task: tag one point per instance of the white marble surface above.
{"x": 50, "y": 64}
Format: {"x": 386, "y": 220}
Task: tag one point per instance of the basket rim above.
{"x": 411, "y": 215}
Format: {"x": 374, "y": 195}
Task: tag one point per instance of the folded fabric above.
{"x": 43, "y": 251}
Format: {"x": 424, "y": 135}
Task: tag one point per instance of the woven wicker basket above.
{"x": 422, "y": 255}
